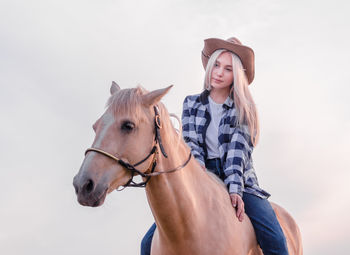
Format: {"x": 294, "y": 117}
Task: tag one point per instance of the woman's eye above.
{"x": 127, "y": 126}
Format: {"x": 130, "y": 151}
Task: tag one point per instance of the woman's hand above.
{"x": 238, "y": 204}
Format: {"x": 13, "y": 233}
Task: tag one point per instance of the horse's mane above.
{"x": 128, "y": 102}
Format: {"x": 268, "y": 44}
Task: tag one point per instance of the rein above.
{"x": 152, "y": 166}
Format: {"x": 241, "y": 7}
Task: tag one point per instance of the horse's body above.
{"x": 192, "y": 210}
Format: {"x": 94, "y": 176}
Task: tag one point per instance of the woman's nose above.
{"x": 219, "y": 71}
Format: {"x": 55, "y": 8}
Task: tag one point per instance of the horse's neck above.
{"x": 177, "y": 199}
{"x": 172, "y": 197}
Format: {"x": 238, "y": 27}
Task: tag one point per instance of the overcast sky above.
{"x": 57, "y": 61}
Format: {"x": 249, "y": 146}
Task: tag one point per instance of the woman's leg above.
{"x": 147, "y": 241}
{"x": 268, "y": 231}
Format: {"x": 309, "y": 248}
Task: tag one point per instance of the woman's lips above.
{"x": 216, "y": 80}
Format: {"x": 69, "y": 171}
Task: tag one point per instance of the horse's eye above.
{"x": 127, "y": 126}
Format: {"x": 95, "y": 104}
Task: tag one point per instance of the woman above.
{"x": 221, "y": 127}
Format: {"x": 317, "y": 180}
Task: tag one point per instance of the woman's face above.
{"x": 222, "y": 74}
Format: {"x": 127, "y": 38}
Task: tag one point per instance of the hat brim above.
{"x": 245, "y": 54}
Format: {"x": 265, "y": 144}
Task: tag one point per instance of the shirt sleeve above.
{"x": 238, "y": 155}
{"x": 189, "y": 132}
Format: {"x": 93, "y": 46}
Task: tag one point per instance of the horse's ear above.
{"x": 114, "y": 87}
{"x": 155, "y": 96}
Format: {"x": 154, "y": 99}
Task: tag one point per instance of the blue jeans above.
{"x": 147, "y": 241}
{"x": 268, "y": 231}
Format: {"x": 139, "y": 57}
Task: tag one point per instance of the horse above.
{"x": 191, "y": 208}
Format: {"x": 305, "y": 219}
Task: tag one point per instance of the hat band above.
{"x": 207, "y": 56}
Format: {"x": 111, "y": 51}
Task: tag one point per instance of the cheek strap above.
{"x": 158, "y": 126}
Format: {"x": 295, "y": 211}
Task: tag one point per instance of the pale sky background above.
{"x": 57, "y": 61}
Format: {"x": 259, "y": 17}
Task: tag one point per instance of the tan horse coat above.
{"x": 192, "y": 210}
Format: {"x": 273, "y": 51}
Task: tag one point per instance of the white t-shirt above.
{"x": 211, "y": 139}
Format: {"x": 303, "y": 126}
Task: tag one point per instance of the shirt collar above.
{"x": 204, "y": 99}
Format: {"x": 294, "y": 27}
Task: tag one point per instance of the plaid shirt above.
{"x": 235, "y": 147}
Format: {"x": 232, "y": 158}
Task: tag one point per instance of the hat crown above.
{"x": 234, "y": 40}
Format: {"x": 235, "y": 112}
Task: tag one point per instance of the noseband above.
{"x": 152, "y": 166}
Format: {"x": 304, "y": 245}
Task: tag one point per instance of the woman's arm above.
{"x": 189, "y": 133}
{"x": 239, "y": 152}
{"x": 238, "y": 155}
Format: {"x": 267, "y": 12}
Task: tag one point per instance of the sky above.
{"x": 57, "y": 62}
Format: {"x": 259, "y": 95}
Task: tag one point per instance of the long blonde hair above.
{"x": 243, "y": 100}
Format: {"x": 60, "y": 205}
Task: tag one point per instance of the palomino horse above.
{"x": 192, "y": 210}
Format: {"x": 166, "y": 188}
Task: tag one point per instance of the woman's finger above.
{"x": 241, "y": 216}
{"x": 240, "y": 210}
{"x": 234, "y": 201}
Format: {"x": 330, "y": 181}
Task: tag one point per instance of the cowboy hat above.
{"x": 232, "y": 44}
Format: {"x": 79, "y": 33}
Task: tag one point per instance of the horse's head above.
{"x": 126, "y": 131}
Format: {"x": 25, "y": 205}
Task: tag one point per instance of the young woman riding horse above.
{"x": 221, "y": 127}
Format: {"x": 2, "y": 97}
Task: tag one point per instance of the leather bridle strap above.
{"x": 152, "y": 166}
{"x": 133, "y": 170}
{"x": 172, "y": 170}
{"x": 122, "y": 162}
{"x": 158, "y": 126}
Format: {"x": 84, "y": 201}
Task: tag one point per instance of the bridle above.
{"x": 152, "y": 166}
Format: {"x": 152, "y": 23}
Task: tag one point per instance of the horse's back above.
{"x": 290, "y": 230}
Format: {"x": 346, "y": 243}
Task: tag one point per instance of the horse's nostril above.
{"x": 88, "y": 186}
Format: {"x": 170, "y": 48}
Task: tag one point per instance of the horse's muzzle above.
{"x": 88, "y": 193}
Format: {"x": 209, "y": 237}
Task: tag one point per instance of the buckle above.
{"x": 158, "y": 122}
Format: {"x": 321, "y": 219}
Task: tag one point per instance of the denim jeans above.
{"x": 147, "y": 241}
{"x": 268, "y": 231}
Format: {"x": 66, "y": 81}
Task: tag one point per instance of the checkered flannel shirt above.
{"x": 235, "y": 147}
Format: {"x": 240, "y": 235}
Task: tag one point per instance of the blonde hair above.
{"x": 243, "y": 100}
